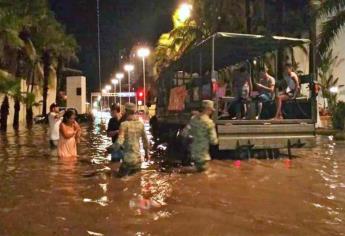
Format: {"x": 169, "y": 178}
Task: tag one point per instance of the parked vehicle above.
{"x": 203, "y": 69}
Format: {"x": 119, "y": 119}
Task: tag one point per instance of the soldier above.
{"x": 203, "y": 133}
{"x": 131, "y": 131}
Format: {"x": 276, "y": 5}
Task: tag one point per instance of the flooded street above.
{"x": 40, "y": 195}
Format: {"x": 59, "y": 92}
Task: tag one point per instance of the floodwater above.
{"x": 40, "y": 195}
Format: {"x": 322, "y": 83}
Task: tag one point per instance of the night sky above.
{"x": 123, "y": 24}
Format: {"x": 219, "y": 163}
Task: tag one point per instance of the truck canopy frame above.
{"x": 232, "y": 48}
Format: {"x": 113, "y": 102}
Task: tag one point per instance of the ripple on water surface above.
{"x": 41, "y": 195}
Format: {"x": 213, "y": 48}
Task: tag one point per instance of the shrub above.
{"x": 338, "y": 116}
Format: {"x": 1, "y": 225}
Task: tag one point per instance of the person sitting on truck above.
{"x": 242, "y": 88}
{"x": 265, "y": 87}
{"x": 291, "y": 91}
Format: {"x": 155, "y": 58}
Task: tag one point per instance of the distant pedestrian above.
{"x": 114, "y": 128}
{"x": 202, "y": 132}
{"x": 54, "y": 119}
{"x": 114, "y": 123}
{"x": 69, "y": 136}
{"x": 131, "y": 132}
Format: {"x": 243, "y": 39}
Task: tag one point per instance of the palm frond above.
{"x": 330, "y": 30}
{"x": 329, "y": 7}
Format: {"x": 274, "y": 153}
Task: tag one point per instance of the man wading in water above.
{"x": 131, "y": 131}
{"x": 202, "y": 131}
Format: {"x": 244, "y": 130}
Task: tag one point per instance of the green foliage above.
{"x": 8, "y": 83}
{"x": 31, "y": 27}
{"x": 338, "y": 117}
{"x": 208, "y": 17}
{"x": 328, "y": 63}
{"x": 334, "y": 11}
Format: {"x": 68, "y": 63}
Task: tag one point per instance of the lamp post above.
{"x": 129, "y": 68}
{"x": 108, "y": 88}
{"x": 104, "y": 91}
{"x": 120, "y": 76}
{"x": 143, "y": 53}
{"x": 114, "y": 82}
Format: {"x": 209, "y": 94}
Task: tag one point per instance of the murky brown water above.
{"x": 39, "y": 195}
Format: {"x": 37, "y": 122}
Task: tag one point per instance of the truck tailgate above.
{"x": 262, "y": 136}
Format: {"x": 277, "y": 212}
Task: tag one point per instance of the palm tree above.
{"x": 327, "y": 80}
{"x": 209, "y": 17}
{"x": 30, "y": 35}
{"x": 9, "y": 86}
{"x": 55, "y": 46}
{"x": 67, "y": 52}
{"x": 334, "y": 11}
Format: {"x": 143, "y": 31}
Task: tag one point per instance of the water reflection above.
{"x": 42, "y": 195}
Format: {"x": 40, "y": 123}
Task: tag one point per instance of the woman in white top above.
{"x": 291, "y": 91}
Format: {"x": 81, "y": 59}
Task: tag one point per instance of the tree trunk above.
{"x": 313, "y": 65}
{"x": 248, "y": 17}
{"x": 4, "y": 111}
{"x": 29, "y": 112}
{"x": 281, "y": 59}
{"x": 46, "y": 70}
{"x": 29, "y": 117}
{"x": 16, "y": 113}
{"x": 17, "y": 99}
{"x": 60, "y": 67}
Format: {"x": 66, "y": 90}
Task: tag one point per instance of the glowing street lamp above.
{"x": 143, "y": 53}
{"x": 184, "y": 12}
{"x": 129, "y": 68}
{"x": 119, "y": 77}
{"x": 108, "y": 88}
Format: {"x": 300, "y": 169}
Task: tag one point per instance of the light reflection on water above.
{"x": 41, "y": 195}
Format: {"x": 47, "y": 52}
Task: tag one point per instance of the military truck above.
{"x": 205, "y": 72}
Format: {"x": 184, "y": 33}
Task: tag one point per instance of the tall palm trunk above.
{"x": 30, "y": 87}
{"x": 4, "y": 111}
{"x": 312, "y": 56}
{"x": 248, "y": 17}
{"x": 281, "y": 58}
{"x": 59, "y": 69}
{"x": 46, "y": 70}
{"x": 17, "y": 96}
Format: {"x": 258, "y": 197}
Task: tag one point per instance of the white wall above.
{"x": 73, "y": 100}
{"x": 339, "y": 49}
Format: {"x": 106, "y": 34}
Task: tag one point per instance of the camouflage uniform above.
{"x": 129, "y": 139}
{"x": 203, "y": 132}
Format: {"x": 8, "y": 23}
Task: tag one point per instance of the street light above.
{"x": 129, "y": 68}
{"x": 115, "y": 82}
{"x": 184, "y": 12}
{"x": 143, "y": 53}
{"x": 120, "y": 76}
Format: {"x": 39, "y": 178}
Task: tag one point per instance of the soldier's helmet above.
{"x": 208, "y": 104}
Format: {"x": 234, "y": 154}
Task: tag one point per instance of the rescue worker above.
{"x": 130, "y": 133}
{"x": 203, "y": 133}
